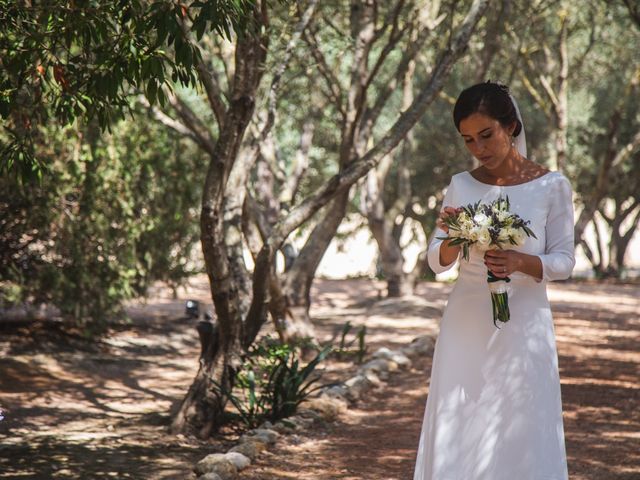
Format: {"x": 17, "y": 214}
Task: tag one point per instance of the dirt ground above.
{"x": 75, "y": 410}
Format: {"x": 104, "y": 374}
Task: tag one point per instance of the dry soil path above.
{"x": 75, "y": 411}
{"x": 598, "y": 333}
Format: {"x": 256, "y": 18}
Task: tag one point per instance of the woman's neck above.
{"x": 512, "y": 168}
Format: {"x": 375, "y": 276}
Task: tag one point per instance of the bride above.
{"x": 494, "y": 408}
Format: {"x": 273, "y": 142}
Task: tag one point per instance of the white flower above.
{"x": 472, "y": 234}
{"x": 502, "y": 215}
{"x": 463, "y": 217}
{"x": 466, "y": 225}
{"x": 481, "y": 219}
{"x": 484, "y": 239}
{"x": 505, "y": 233}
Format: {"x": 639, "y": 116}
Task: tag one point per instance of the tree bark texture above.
{"x": 202, "y": 408}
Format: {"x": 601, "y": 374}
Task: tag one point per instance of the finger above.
{"x": 495, "y": 264}
{"x": 496, "y": 254}
{"x": 493, "y": 267}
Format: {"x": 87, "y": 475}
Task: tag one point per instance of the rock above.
{"x": 380, "y": 365}
{"x": 395, "y": 356}
{"x": 249, "y": 448}
{"x": 372, "y": 377}
{"x": 267, "y": 435}
{"x": 299, "y": 421}
{"x": 284, "y": 426}
{"x": 240, "y": 460}
{"x": 419, "y": 346}
{"x": 210, "y": 476}
{"x": 382, "y": 352}
{"x": 266, "y": 425}
{"x": 329, "y": 408}
{"x": 336, "y": 391}
{"x": 293, "y": 423}
{"x": 357, "y": 386}
{"x": 295, "y": 439}
{"x": 216, "y": 463}
{"x": 308, "y": 416}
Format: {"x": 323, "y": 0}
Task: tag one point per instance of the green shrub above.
{"x": 272, "y": 382}
{"x": 112, "y": 214}
{"x": 345, "y": 349}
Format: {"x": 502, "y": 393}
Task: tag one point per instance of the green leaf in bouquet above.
{"x": 529, "y": 232}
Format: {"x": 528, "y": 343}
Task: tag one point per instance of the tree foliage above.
{"x": 81, "y": 58}
{"x": 113, "y": 213}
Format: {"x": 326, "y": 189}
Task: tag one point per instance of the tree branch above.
{"x": 209, "y": 81}
{"x": 371, "y": 115}
{"x": 393, "y": 136}
{"x": 275, "y": 82}
{"x": 634, "y": 11}
{"x": 191, "y": 120}
{"x": 333, "y": 83}
{"x": 168, "y": 121}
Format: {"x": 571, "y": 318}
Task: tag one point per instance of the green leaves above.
{"x": 272, "y": 382}
{"x": 84, "y": 59}
{"x": 112, "y": 215}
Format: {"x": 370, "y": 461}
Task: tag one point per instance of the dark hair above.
{"x": 489, "y": 98}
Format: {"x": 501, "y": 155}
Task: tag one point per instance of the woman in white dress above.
{"x": 494, "y": 409}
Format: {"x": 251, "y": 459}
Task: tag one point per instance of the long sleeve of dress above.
{"x": 559, "y": 257}
{"x": 433, "y": 251}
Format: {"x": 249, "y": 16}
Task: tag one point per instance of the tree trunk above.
{"x": 619, "y": 241}
{"x": 382, "y": 220}
{"x": 359, "y": 167}
{"x": 561, "y": 108}
{"x": 299, "y": 278}
{"x": 202, "y": 408}
{"x": 391, "y": 259}
{"x": 494, "y": 34}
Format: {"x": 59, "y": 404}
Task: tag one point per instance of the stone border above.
{"x": 326, "y": 406}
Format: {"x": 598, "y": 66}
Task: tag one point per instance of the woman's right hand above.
{"x": 446, "y": 212}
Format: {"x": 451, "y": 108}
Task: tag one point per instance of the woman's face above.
{"x": 486, "y": 139}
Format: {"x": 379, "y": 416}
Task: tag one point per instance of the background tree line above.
{"x": 304, "y": 114}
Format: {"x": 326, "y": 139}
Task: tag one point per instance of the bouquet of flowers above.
{"x": 485, "y": 227}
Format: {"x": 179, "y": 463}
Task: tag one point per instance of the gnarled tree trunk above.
{"x": 202, "y": 407}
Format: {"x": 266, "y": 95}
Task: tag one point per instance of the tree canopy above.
{"x": 82, "y": 59}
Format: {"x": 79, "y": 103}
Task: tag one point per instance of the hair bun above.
{"x": 489, "y": 98}
{"x": 518, "y": 128}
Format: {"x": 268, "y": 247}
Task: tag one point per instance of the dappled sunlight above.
{"x": 104, "y": 410}
{"x": 598, "y": 333}
{"x": 597, "y": 340}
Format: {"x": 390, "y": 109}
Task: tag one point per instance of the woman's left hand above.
{"x": 502, "y": 263}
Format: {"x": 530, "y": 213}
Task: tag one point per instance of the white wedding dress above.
{"x": 494, "y": 409}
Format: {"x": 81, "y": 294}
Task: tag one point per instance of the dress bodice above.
{"x": 545, "y": 201}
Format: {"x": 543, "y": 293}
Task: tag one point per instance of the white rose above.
{"x": 481, "y": 219}
{"x": 484, "y": 239}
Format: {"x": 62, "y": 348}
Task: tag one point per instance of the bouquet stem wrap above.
{"x": 499, "y": 298}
